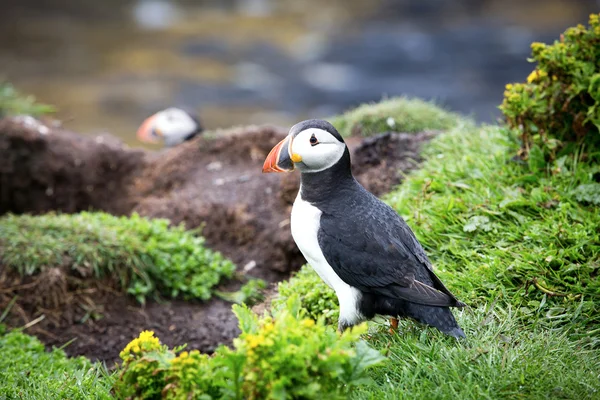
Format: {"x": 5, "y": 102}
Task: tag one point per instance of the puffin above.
{"x": 358, "y": 245}
{"x": 172, "y": 126}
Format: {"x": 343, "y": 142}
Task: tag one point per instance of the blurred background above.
{"x": 108, "y": 64}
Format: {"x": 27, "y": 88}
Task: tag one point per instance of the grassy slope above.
{"x": 491, "y": 226}
{"x": 27, "y": 371}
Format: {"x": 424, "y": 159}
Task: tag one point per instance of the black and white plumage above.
{"x": 172, "y": 126}
{"x": 357, "y": 244}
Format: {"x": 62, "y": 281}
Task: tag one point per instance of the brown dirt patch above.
{"x": 212, "y": 182}
{"x": 99, "y": 321}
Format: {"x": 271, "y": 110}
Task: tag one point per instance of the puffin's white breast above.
{"x": 305, "y": 222}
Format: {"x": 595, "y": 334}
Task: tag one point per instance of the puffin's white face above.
{"x": 173, "y": 125}
{"x": 315, "y": 150}
{"x": 311, "y": 146}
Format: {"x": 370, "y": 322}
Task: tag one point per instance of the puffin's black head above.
{"x": 172, "y": 125}
{"x": 311, "y": 146}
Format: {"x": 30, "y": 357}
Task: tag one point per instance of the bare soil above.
{"x": 213, "y": 182}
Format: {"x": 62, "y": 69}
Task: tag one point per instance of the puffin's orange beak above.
{"x": 146, "y": 132}
{"x": 280, "y": 158}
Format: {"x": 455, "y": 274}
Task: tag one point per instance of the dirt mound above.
{"x": 44, "y": 169}
{"x": 214, "y": 182}
{"x": 219, "y": 184}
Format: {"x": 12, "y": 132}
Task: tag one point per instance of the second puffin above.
{"x": 357, "y": 244}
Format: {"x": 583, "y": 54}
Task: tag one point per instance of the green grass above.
{"x": 147, "y": 256}
{"x": 502, "y": 359}
{"x": 398, "y": 114}
{"x": 13, "y": 103}
{"x": 495, "y": 229}
{"x": 27, "y": 371}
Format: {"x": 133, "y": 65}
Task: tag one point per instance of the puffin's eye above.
{"x": 313, "y": 140}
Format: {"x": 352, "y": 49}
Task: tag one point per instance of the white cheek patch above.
{"x": 319, "y": 157}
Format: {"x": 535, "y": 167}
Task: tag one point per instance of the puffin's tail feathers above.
{"x": 438, "y": 317}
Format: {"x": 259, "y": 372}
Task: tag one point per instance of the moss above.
{"x": 399, "y": 114}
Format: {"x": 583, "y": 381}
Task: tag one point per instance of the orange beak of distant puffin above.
{"x": 281, "y": 158}
{"x": 147, "y": 132}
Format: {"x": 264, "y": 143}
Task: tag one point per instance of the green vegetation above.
{"x": 27, "y": 371}
{"x": 146, "y": 256}
{"x": 501, "y": 359}
{"x": 277, "y": 357}
{"x": 497, "y": 229}
{"x": 250, "y": 293}
{"x": 558, "y": 108}
{"x": 398, "y": 114}
{"x": 317, "y": 300}
{"x": 13, "y": 103}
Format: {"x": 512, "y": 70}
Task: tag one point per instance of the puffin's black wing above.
{"x": 370, "y": 247}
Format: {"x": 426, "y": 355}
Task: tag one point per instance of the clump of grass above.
{"x": 148, "y": 256}
{"x": 398, "y": 114}
{"x": 27, "y": 371}
{"x": 13, "y": 103}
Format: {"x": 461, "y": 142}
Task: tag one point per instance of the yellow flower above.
{"x": 255, "y": 340}
{"x": 268, "y": 328}
{"x": 508, "y": 86}
{"x": 308, "y": 323}
{"x": 536, "y": 75}
{"x": 146, "y": 335}
{"x": 183, "y": 355}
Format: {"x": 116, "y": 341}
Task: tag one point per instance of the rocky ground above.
{"x": 214, "y": 181}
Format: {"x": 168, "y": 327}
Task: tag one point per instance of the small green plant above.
{"x": 280, "y": 357}
{"x": 558, "y": 108}
{"x": 13, "y": 103}
{"x": 145, "y": 365}
{"x": 317, "y": 300}
{"x": 397, "y": 114}
{"x": 147, "y": 256}
{"x": 250, "y": 293}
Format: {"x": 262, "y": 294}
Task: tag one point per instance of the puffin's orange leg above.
{"x": 394, "y": 325}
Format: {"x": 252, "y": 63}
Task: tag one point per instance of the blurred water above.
{"x": 109, "y": 64}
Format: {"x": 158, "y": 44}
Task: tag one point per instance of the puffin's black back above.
{"x": 371, "y": 248}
